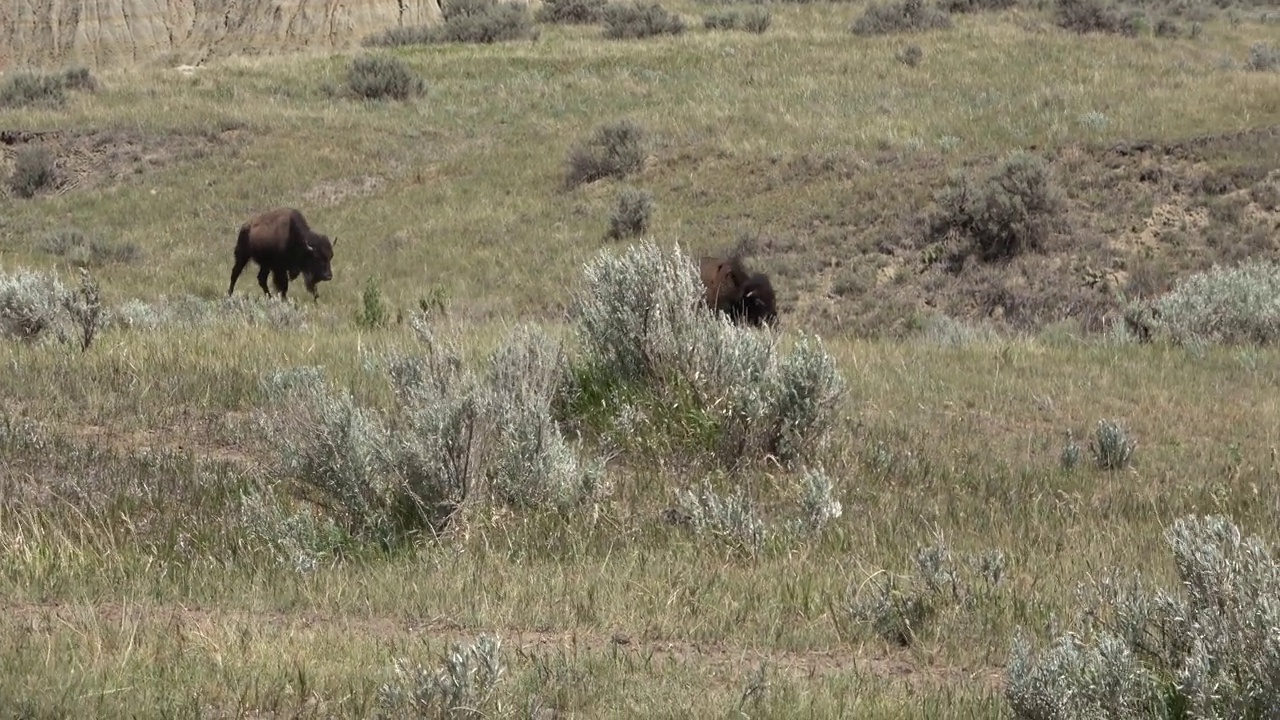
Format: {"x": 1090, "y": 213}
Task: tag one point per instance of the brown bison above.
{"x": 743, "y": 296}
{"x": 283, "y": 245}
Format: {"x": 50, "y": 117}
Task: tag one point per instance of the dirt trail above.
{"x": 522, "y": 642}
{"x": 102, "y": 33}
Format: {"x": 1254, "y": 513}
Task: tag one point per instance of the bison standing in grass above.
{"x": 283, "y": 245}
{"x": 742, "y": 295}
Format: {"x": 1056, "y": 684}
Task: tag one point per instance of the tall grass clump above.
{"x": 1012, "y": 209}
{"x": 1237, "y": 304}
{"x": 900, "y": 17}
{"x": 1209, "y": 647}
{"x": 653, "y": 351}
{"x": 636, "y": 19}
{"x": 382, "y": 77}
{"x": 614, "y": 149}
{"x": 33, "y": 171}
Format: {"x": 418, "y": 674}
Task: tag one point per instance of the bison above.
{"x": 743, "y": 296}
{"x": 284, "y": 246}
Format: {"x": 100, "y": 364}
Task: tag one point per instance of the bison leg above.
{"x": 241, "y": 261}
{"x": 281, "y": 281}
{"x": 263, "y": 272}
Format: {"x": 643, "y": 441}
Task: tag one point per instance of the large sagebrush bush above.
{"x": 1014, "y": 208}
{"x": 636, "y": 19}
{"x": 571, "y": 12}
{"x": 33, "y": 306}
{"x": 383, "y": 77}
{"x": 615, "y": 149}
{"x": 1237, "y": 304}
{"x": 900, "y": 17}
{"x": 1208, "y": 649}
{"x": 647, "y": 337}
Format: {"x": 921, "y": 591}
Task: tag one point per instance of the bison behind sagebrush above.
{"x": 284, "y": 246}
{"x": 742, "y": 295}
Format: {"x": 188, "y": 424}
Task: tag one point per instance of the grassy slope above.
{"x": 126, "y": 594}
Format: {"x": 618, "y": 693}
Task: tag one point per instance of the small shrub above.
{"x": 82, "y": 250}
{"x": 1205, "y": 648}
{"x": 733, "y": 520}
{"x": 973, "y": 6}
{"x": 27, "y": 89}
{"x": 818, "y": 504}
{"x": 911, "y": 55}
{"x": 1263, "y": 57}
{"x": 1111, "y": 446}
{"x": 32, "y": 305}
{"x": 1226, "y": 305}
{"x": 755, "y": 19}
{"x": 1097, "y": 16}
{"x": 900, "y": 17}
{"x": 374, "y": 312}
{"x": 614, "y": 150}
{"x": 635, "y": 19}
{"x": 572, "y": 12}
{"x": 84, "y": 306}
{"x": 462, "y": 686}
{"x": 1070, "y": 457}
{"x": 402, "y": 36}
{"x": 33, "y": 171}
{"x": 379, "y": 77}
{"x": 630, "y": 216}
{"x": 485, "y": 21}
{"x": 1012, "y": 210}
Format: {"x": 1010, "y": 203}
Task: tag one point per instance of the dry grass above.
{"x": 132, "y": 586}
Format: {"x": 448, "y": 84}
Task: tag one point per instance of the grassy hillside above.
{"x": 151, "y": 561}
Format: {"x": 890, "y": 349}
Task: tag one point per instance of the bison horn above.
{"x": 334, "y": 242}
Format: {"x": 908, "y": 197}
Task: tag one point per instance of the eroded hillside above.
{"x": 101, "y": 33}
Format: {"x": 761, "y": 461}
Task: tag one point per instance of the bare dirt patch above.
{"x": 101, "y": 158}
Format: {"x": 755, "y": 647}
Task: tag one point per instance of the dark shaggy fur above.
{"x": 283, "y": 245}
{"x": 731, "y": 289}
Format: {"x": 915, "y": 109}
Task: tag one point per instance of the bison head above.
{"x": 319, "y": 256}
{"x": 758, "y": 303}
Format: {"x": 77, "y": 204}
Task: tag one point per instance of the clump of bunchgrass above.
{"x": 614, "y": 149}
{"x": 461, "y": 685}
{"x": 1208, "y": 647}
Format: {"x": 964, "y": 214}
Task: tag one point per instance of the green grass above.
{"x": 134, "y": 586}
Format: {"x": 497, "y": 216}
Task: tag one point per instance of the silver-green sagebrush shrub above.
{"x": 731, "y": 519}
{"x": 189, "y": 311}
{"x": 32, "y": 305}
{"x": 817, "y": 502}
{"x": 461, "y": 686}
{"x": 647, "y": 337}
{"x": 1111, "y": 446}
{"x": 1209, "y": 651}
{"x": 532, "y": 463}
{"x": 1227, "y": 304}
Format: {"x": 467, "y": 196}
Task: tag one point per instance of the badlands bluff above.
{"x": 104, "y": 33}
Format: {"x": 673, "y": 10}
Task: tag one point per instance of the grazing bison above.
{"x": 284, "y": 246}
{"x": 743, "y": 296}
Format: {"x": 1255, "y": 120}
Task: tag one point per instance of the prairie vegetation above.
{"x": 1010, "y": 452}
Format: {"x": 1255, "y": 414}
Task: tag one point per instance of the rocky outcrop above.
{"x": 103, "y": 33}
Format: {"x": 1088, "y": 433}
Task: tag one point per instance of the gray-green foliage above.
{"x": 33, "y": 170}
{"x": 900, "y": 17}
{"x": 615, "y": 149}
{"x": 631, "y": 214}
{"x": 533, "y": 463}
{"x": 1012, "y": 209}
{"x": 383, "y": 77}
{"x": 635, "y": 19}
{"x": 450, "y": 436}
{"x": 732, "y": 519}
{"x": 1210, "y": 650}
{"x": 32, "y": 305}
{"x": 189, "y": 311}
{"x": 461, "y": 686}
{"x": 755, "y": 19}
{"x": 1263, "y": 57}
{"x": 31, "y": 89}
{"x": 643, "y": 326}
{"x": 1111, "y": 445}
{"x": 1226, "y": 304}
